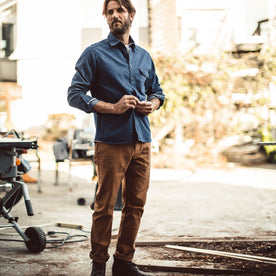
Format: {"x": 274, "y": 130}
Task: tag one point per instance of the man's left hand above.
{"x": 147, "y": 107}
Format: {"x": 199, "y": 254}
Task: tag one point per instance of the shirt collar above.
{"x": 113, "y": 40}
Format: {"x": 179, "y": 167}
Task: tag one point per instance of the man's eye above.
{"x": 110, "y": 12}
{"x": 120, "y": 10}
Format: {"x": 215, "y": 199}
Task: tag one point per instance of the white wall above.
{"x": 48, "y": 43}
{"x": 48, "y": 46}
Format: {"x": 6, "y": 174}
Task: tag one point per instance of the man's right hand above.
{"x": 125, "y": 103}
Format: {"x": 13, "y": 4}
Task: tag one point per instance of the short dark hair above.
{"x": 125, "y": 3}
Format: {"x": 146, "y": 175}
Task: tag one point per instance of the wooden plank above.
{"x": 179, "y": 241}
{"x": 174, "y": 263}
{"x": 225, "y": 254}
{"x": 183, "y": 269}
{"x": 273, "y": 143}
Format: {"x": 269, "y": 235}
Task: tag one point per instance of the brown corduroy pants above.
{"x": 116, "y": 164}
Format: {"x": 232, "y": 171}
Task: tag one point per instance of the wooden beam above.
{"x": 225, "y": 254}
{"x": 186, "y": 240}
{"x": 186, "y": 269}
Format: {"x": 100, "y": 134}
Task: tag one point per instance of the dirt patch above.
{"x": 259, "y": 248}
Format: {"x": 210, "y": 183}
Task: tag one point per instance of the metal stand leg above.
{"x": 39, "y": 170}
{"x": 70, "y": 176}
{"x": 14, "y": 224}
{"x": 56, "y": 183}
{"x": 26, "y": 198}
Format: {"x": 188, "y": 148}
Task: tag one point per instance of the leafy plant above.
{"x": 212, "y": 97}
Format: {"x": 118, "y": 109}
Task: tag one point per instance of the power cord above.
{"x": 65, "y": 240}
{"x": 59, "y": 242}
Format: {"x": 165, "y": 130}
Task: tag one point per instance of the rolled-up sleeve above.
{"x": 77, "y": 95}
{"x": 154, "y": 89}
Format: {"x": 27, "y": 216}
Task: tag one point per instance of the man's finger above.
{"x": 144, "y": 104}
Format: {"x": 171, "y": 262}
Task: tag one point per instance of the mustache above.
{"x": 116, "y": 21}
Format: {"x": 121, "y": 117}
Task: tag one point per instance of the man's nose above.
{"x": 115, "y": 14}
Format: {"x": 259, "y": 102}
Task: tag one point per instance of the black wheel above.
{"x": 37, "y": 241}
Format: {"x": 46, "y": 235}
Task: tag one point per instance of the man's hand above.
{"x": 147, "y": 108}
{"x": 125, "y": 103}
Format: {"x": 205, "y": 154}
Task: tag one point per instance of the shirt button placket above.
{"x": 131, "y": 67}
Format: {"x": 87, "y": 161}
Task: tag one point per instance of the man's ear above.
{"x": 131, "y": 16}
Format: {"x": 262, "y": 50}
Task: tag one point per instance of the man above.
{"x": 125, "y": 90}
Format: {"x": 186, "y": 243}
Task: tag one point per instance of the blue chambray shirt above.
{"x": 108, "y": 71}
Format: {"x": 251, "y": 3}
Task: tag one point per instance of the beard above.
{"x": 121, "y": 28}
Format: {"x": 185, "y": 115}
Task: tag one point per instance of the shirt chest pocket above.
{"x": 144, "y": 73}
{"x": 142, "y": 76}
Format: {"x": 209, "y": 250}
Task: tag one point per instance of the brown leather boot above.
{"x": 125, "y": 268}
{"x": 98, "y": 269}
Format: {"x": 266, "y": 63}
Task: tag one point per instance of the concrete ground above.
{"x": 229, "y": 202}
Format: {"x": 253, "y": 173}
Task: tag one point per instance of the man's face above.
{"x": 118, "y": 18}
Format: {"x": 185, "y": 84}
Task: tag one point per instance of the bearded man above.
{"x": 124, "y": 90}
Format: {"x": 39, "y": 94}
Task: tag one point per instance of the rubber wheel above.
{"x": 37, "y": 241}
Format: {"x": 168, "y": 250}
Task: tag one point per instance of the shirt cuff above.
{"x": 156, "y": 96}
{"x": 92, "y": 103}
